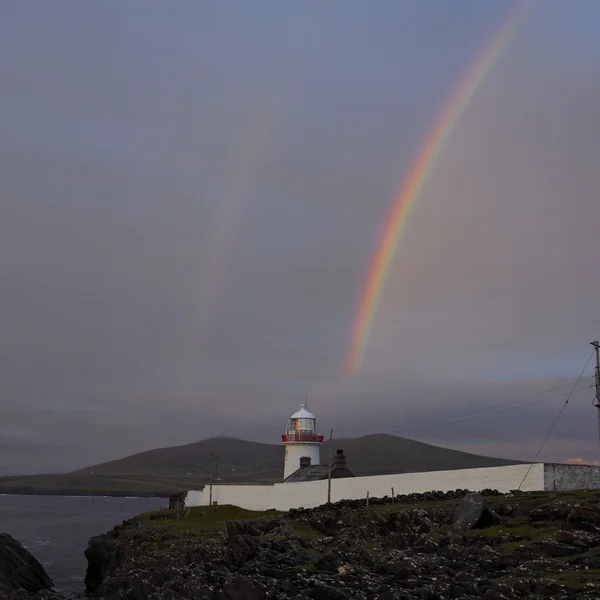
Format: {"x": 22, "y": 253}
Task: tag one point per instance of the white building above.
{"x": 302, "y": 442}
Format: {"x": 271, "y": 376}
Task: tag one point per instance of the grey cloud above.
{"x": 188, "y": 214}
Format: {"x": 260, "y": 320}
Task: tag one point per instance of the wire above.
{"x": 557, "y": 419}
{"x": 476, "y": 412}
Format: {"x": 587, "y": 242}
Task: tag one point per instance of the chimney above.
{"x": 339, "y": 460}
{"x": 304, "y": 462}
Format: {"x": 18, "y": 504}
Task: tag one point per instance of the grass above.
{"x": 204, "y": 520}
{"x": 577, "y": 579}
{"x": 314, "y": 555}
{"x": 523, "y": 530}
{"x": 201, "y": 519}
{"x": 307, "y": 532}
{"x": 305, "y": 567}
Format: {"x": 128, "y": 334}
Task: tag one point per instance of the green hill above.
{"x": 164, "y": 470}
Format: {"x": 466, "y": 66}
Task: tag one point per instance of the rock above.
{"x": 549, "y": 512}
{"x": 582, "y": 517}
{"x": 413, "y": 547}
{"x": 242, "y": 528}
{"x": 551, "y": 548}
{"x": 579, "y": 538}
{"x": 242, "y": 549}
{"x": 472, "y": 513}
{"x": 24, "y": 595}
{"x": 19, "y": 570}
{"x": 327, "y": 592}
{"x": 241, "y": 588}
{"x": 103, "y": 558}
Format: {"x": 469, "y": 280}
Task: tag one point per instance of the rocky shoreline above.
{"x": 429, "y": 546}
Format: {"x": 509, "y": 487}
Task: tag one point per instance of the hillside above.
{"x": 240, "y": 460}
{"x": 164, "y": 470}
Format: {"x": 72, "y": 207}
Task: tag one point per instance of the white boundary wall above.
{"x": 309, "y": 494}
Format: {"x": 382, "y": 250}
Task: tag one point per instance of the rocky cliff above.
{"x": 426, "y": 547}
{"x": 21, "y": 575}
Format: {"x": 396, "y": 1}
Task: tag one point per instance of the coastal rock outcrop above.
{"x": 103, "y": 558}
{"x": 21, "y": 574}
{"x": 418, "y": 547}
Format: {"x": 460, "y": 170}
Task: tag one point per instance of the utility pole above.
{"x": 216, "y": 475}
{"x": 330, "y": 467}
{"x": 211, "y": 460}
{"x": 596, "y": 345}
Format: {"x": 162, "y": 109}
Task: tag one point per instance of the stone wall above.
{"x": 177, "y": 500}
{"x": 283, "y": 496}
{"x": 565, "y": 477}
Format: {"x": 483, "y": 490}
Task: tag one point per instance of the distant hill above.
{"x": 165, "y": 470}
{"x": 240, "y": 460}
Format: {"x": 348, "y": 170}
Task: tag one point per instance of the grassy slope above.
{"x": 201, "y": 519}
{"x": 165, "y": 470}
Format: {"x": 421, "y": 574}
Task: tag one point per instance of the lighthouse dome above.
{"x": 303, "y": 414}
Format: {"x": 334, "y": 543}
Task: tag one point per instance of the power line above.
{"x": 474, "y": 413}
{"x": 477, "y": 413}
{"x": 557, "y": 419}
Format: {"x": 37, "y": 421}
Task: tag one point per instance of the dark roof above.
{"x": 317, "y": 473}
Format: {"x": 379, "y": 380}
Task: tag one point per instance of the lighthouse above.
{"x": 301, "y": 441}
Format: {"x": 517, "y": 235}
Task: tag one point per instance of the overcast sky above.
{"x": 190, "y": 196}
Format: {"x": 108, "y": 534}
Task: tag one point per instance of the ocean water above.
{"x": 56, "y": 529}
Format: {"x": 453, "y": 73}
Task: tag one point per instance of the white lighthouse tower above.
{"x": 301, "y": 441}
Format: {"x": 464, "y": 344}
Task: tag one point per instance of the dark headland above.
{"x": 163, "y": 471}
{"x": 538, "y": 546}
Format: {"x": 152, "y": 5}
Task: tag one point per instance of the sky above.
{"x": 191, "y": 197}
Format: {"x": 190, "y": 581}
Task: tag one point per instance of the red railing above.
{"x": 302, "y": 437}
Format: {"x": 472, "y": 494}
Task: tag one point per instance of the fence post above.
{"x": 367, "y": 498}
{"x": 392, "y": 495}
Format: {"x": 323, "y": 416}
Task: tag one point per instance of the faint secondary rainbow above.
{"x": 418, "y": 174}
{"x": 252, "y": 153}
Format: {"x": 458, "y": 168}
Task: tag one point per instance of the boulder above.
{"x": 472, "y": 513}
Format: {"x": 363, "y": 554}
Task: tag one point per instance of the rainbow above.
{"x": 418, "y": 174}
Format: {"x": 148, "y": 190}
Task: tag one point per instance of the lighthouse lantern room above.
{"x": 301, "y": 441}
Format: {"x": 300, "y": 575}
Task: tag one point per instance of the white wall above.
{"x": 283, "y": 496}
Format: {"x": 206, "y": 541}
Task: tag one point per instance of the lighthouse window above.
{"x": 304, "y": 425}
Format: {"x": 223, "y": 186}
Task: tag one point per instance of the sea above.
{"x": 56, "y": 530}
